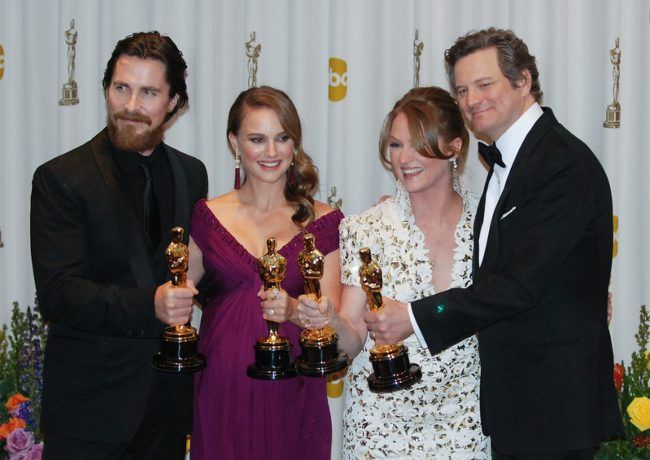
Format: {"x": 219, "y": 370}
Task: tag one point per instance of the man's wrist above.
{"x": 416, "y": 328}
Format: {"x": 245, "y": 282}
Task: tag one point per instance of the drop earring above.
{"x": 454, "y": 163}
{"x": 292, "y": 175}
{"x": 237, "y": 173}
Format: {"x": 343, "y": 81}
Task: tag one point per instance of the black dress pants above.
{"x": 157, "y": 438}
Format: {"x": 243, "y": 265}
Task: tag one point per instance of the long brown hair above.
{"x": 302, "y": 191}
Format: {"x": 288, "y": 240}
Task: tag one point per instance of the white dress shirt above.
{"x": 508, "y": 144}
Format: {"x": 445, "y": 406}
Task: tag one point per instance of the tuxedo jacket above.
{"x": 96, "y": 274}
{"x": 538, "y": 301}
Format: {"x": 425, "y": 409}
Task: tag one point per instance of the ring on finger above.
{"x": 275, "y": 293}
{"x": 270, "y": 312}
{"x": 307, "y": 322}
{"x": 373, "y": 336}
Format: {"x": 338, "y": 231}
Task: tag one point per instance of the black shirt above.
{"x": 131, "y": 165}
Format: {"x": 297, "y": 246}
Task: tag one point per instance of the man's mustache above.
{"x": 125, "y": 114}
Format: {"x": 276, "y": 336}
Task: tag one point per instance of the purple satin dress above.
{"x": 235, "y": 416}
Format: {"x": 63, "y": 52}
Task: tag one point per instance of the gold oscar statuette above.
{"x": 320, "y": 355}
{"x": 178, "y": 349}
{"x": 70, "y": 93}
{"x": 390, "y": 363}
{"x": 613, "y": 112}
{"x": 272, "y": 353}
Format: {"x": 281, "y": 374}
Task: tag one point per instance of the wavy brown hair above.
{"x": 301, "y": 194}
{"x": 432, "y": 114}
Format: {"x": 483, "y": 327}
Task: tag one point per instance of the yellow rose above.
{"x": 639, "y": 412}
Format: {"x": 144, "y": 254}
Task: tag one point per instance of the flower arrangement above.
{"x": 21, "y": 383}
{"x": 633, "y": 388}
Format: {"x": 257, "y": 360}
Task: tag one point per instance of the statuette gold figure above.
{"x": 272, "y": 353}
{"x": 390, "y": 362}
{"x": 177, "y": 255}
{"x": 272, "y": 268}
{"x": 320, "y": 355}
{"x": 179, "y": 347}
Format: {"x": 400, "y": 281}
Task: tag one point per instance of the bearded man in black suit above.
{"x": 542, "y": 261}
{"x": 100, "y": 221}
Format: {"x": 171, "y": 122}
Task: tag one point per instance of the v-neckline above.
{"x": 244, "y": 250}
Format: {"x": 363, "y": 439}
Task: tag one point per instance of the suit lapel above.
{"x": 181, "y": 193}
{"x": 540, "y": 128}
{"x": 478, "y": 223}
{"x": 516, "y": 177}
{"x": 492, "y": 243}
{"x": 131, "y": 234}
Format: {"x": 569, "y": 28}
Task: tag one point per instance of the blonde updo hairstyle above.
{"x": 302, "y": 191}
{"x": 432, "y": 114}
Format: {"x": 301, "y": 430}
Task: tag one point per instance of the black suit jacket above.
{"x": 96, "y": 274}
{"x": 539, "y": 301}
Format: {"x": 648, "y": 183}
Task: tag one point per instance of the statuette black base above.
{"x": 392, "y": 371}
{"x": 178, "y": 352}
{"x": 320, "y": 357}
{"x": 272, "y": 360}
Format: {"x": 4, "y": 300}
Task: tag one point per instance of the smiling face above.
{"x": 487, "y": 98}
{"x": 137, "y": 103}
{"x": 415, "y": 171}
{"x": 265, "y": 148}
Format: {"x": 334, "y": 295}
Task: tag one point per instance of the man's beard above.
{"x": 126, "y": 137}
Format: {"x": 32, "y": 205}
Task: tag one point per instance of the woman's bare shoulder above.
{"x": 223, "y": 204}
{"x": 321, "y": 208}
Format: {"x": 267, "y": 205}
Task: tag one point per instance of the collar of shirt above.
{"x": 510, "y": 142}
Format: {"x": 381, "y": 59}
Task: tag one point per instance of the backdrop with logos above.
{"x": 344, "y": 63}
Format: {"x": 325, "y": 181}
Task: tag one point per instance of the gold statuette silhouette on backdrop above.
{"x": 613, "y": 112}
{"x": 390, "y": 363}
{"x": 178, "y": 349}
{"x": 253, "y": 50}
{"x": 70, "y": 93}
{"x": 418, "y": 46}
{"x": 272, "y": 353}
{"x": 320, "y": 355}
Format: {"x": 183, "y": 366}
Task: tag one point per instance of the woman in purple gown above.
{"x": 236, "y": 416}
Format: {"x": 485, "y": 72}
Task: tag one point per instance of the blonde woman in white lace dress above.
{"x": 422, "y": 239}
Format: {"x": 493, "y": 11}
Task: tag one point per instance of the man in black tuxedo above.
{"x": 542, "y": 260}
{"x": 100, "y": 221}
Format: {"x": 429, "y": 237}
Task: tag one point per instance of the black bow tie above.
{"x": 491, "y": 154}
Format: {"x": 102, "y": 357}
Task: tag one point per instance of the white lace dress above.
{"x": 438, "y": 417}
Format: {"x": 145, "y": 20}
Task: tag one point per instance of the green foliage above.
{"x": 622, "y": 450}
{"x": 22, "y": 347}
